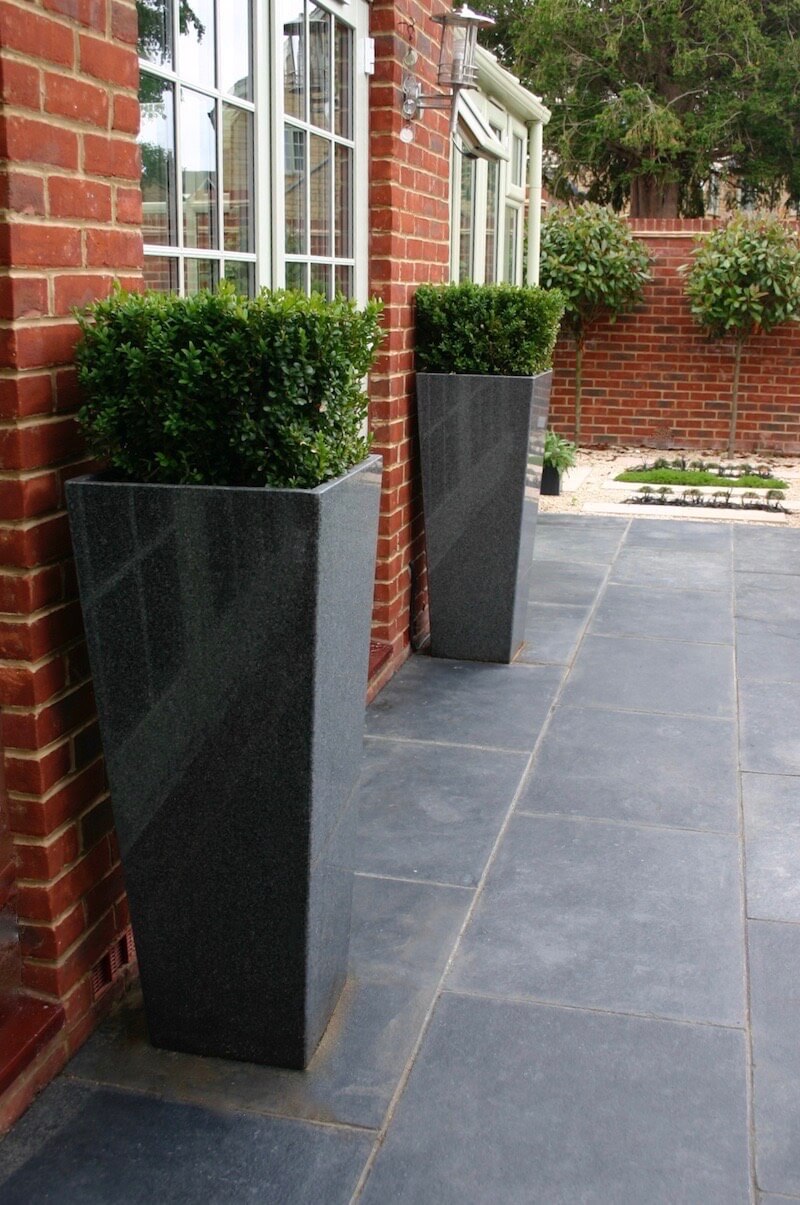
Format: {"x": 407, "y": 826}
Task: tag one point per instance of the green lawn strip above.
{"x": 698, "y": 477}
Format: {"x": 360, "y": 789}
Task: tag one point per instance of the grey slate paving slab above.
{"x": 769, "y": 735}
{"x": 761, "y": 550}
{"x": 612, "y": 917}
{"x": 774, "y": 963}
{"x": 771, "y": 597}
{"x": 432, "y": 811}
{"x": 99, "y": 1147}
{"x": 577, "y": 539}
{"x": 680, "y": 536}
{"x": 658, "y": 769}
{"x": 571, "y": 1107}
{"x": 665, "y": 614}
{"x": 462, "y": 702}
{"x": 565, "y": 581}
{"x": 772, "y": 840}
{"x": 402, "y": 936}
{"x": 552, "y": 633}
{"x": 768, "y": 652}
{"x": 679, "y": 570}
{"x": 653, "y": 675}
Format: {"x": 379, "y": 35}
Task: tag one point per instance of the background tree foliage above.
{"x": 647, "y": 94}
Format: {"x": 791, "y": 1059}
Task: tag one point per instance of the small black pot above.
{"x": 551, "y": 480}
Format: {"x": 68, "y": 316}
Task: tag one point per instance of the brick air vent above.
{"x": 106, "y": 970}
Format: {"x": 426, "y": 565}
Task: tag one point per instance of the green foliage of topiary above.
{"x": 216, "y": 389}
{"x": 744, "y": 278}
{"x": 500, "y": 330}
{"x": 590, "y": 255}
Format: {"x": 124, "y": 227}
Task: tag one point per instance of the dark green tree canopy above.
{"x": 647, "y": 95}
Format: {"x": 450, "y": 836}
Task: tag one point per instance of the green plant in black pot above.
{"x": 226, "y": 566}
{"x": 559, "y": 455}
{"x": 483, "y": 391}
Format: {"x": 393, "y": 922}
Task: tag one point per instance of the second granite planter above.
{"x": 481, "y": 447}
{"x": 228, "y": 632}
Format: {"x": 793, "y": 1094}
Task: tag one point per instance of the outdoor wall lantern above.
{"x": 457, "y": 68}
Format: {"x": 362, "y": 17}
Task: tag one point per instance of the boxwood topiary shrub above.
{"x": 501, "y": 330}
{"x": 218, "y": 389}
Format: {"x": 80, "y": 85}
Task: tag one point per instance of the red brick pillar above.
{"x": 70, "y": 223}
{"x": 409, "y": 245}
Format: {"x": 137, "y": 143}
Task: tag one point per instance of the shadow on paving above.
{"x": 561, "y": 864}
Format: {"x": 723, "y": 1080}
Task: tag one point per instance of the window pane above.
{"x": 235, "y": 44}
{"x": 157, "y": 142}
{"x": 490, "y": 266}
{"x": 319, "y": 55}
{"x": 200, "y": 274}
{"x": 294, "y": 65}
{"x": 512, "y": 217}
{"x": 344, "y": 280}
{"x": 344, "y": 202}
{"x": 320, "y": 195}
{"x": 242, "y": 276}
{"x": 295, "y": 190}
{"x": 160, "y": 273}
{"x": 155, "y": 31}
{"x": 343, "y": 66}
{"x": 465, "y": 238}
{"x": 321, "y": 279}
{"x": 237, "y": 176}
{"x": 199, "y": 174}
{"x": 196, "y": 46}
{"x": 518, "y": 161}
{"x": 296, "y": 276}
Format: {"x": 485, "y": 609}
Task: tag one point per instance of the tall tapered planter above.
{"x": 481, "y": 447}
{"x": 228, "y": 633}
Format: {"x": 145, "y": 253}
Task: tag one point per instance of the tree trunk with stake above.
{"x": 737, "y": 368}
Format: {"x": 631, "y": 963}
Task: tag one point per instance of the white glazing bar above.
{"x": 534, "y": 200}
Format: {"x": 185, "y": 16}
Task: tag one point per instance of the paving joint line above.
{"x": 579, "y": 818}
{"x": 417, "y": 740}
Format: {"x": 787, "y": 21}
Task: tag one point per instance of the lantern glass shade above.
{"x": 457, "y": 67}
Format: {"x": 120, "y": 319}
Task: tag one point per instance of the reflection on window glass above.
{"x": 343, "y": 67}
{"x": 466, "y": 228}
{"x": 200, "y": 274}
{"x": 157, "y": 143}
{"x": 196, "y": 45}
{"x": 155, "y": 31}
{"x": 344, "y": 202}
{"x": 344, "y": 280}
{"x": 235, "y": 48}
{"x": 237, "y": 177}
{"x": 295, "y": 190}
{"x": 518, "y": 161}
{"x": 296, "y": 276}
{"x": 319, "y": 64}
{"x": 512, "y": 219}
{"x": 242, "y": 276}
{"x": 161, "y": 273}
{"x": 321, "y": 279}
{"x": 199, "y": 164}
{"x": 294, "y": 60}
{"x": 320, "y": 196}
{"x": 492, "y": 184}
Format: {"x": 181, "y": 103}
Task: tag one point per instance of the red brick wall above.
{"x": 654, "y": 378}
{"x": 409, "y": 245}
{"x": 69, "y": 191}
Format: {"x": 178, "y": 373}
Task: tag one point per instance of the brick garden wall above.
{"x": 70, "y": 223}
{"x": 653, "y": 378}
{"x": 409, "y": 245}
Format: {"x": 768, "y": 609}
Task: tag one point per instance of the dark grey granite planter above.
{"x": 228, "y": 632}
{"x": 481, "y": 446}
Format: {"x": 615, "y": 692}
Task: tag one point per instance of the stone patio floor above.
{"x": 576, "y": 948}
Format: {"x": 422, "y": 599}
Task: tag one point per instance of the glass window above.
{"x": 512, "y": 238}
{"x": 492, "y": 199}
{"x": 518, "y": 161}
{"x": 197, "y": 138}
{"x": 467, "y": 228}
{"x": 319, "y": 160}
